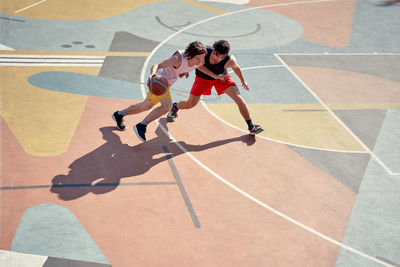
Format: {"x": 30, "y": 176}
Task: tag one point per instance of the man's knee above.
{"x": 166, "y": 106}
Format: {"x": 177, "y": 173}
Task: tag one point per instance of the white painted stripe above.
{"x": 50, "y": 56}
{"x": 262, "y": 204}
{"x": 279, "y": 141}
{"x": 45, "y": 60}
{"x": 30, "y": 6}
{"x": 337, "y": 118}
{"x": 49, "y": 65}
{"x": 16, "y": 259}
{"x": 4, "y": 47}
{"x": 215, "y": 174}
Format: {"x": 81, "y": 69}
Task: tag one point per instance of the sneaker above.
{"x": 256, "y": 129}
{"x": 173, "y": 113}
{"x": 119, "y": 119}
{"x": 140, "y": 131}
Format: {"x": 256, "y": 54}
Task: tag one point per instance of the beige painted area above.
{"x": 65, "y": 10}
{"x": 43, "y": 121}
{"x": 299, "y": 124}
{"x": 340, "y": 86}
{"x": 325, "y": 23}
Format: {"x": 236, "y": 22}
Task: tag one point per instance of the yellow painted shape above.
{"x": 206, "y": 7}
{"x": 43, "y": 121}
{"x": 72, "y": 10}
{"x": 299, "y": 124}
{"x": 75, "y": 53}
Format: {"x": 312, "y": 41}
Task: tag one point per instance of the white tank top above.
{"x": 172, "y": 74}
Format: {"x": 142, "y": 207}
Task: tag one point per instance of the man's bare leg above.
{"x": 233, "y": 92}
{"x": 183, "y": 104}
{"x": 134, "y": 109}
{"x": 141, "y": 127}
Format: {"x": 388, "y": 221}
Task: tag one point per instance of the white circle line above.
{"x": 279, "y": 141}
{"x": 218, "y": 176}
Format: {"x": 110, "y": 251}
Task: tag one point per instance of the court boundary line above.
{"x": 266, "y": 206}
{"x": 22, "y": 9}
{"x": 380, "y": 162}
{"x": 279, "y": 141}
{"x": 142, "y": 88}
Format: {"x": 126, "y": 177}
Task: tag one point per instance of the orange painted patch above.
{"x": 150, "y": 225}
{"x": 324, "y": 23}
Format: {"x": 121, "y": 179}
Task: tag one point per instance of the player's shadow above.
{"x": 101, "y": 170}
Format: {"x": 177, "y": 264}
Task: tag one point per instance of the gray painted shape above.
{"x": 57, "y": 262}
{"x": 365, "y": 124}
{"x": 385, "y": 66}
{"x": 53, "y": 230}
{"x": 122, "y": 68}
{"x": 128, "y": 42}
{"x": 126, "y": 68}
{"x": 373, "y": 227}
{"x": 346, "y": 168}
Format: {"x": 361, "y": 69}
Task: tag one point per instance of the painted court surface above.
{"x": 319, "y": 187}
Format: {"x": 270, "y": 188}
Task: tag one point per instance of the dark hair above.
{"x": 222, "y": 47}
{"x": 195, "y": 48}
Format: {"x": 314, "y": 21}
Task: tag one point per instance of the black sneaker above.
{"x": 119, "y": 119}
{"x": 173, "y": 113}
{"x": 256, "y": 129}
{"x": 140, "y": 131}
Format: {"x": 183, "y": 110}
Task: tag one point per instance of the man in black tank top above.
{"x": 214, "y": 74}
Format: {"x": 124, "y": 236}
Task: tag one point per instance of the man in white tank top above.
{"x": 173, "y": 68}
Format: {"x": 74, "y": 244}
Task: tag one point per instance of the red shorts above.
{"x": 203, "y": 87}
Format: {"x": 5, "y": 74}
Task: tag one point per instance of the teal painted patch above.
{"x": 387, "y": 147}
{"x": 53, "y": 230}
{"x": 83, "y": 84}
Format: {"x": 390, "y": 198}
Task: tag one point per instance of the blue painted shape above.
{"x": 387, "y": 146}
{"x": 53, "y": 230}
{"x": 274, "y": 85}
{"x": 83, "y": 84}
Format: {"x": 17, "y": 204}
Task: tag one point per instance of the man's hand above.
{"x": 245, "y": 86}
{"x": 223, "y": 77}
{"x": 185, "y": 74}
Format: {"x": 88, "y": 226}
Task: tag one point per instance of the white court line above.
{"x": 262, "y": 204}
{"x": 30, "y": 6}
{"x": 337, "y": 118}
{"x": 279, "y": 141}
{"x": 142, "y": 87}
{"x": 271, "y": 139}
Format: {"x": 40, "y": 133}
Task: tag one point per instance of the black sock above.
{"x": 250, "y": 124}
{"x": 175, "y": 105}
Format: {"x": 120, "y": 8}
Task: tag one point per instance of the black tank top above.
{"x": 215, "y": 68}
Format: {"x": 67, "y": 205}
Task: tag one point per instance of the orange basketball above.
{"x": 158, "y": 85}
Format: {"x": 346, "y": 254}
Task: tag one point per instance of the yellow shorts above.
{"x": 154, "y": 99}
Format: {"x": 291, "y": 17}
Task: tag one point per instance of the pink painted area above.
{"x": 339, "y": 87}
{"x": 149, "y": 225}
{"x": 324, "y": 23}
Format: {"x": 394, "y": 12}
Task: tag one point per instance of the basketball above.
{"x": 158, "y": 85}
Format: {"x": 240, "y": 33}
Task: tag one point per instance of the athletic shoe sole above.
{"x": 137, "y": 134}
{"x": 254, "y": 133}
{"x": 122, "y": 129}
